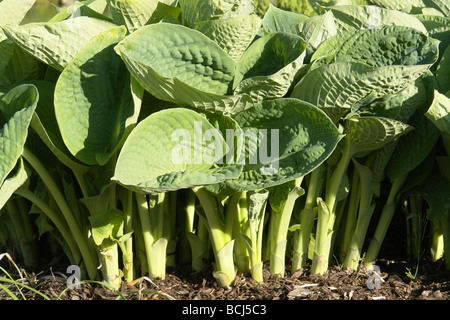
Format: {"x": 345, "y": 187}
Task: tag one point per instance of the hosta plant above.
{"x": 138, "y": 136}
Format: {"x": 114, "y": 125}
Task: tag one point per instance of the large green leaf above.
{"x": 233, "y": 35}
{"x": 18, "y": 177}
{"x": 268, "y": 67}
{"x": 414, "y": 147}
{"x": 16, "y": 109}
{"x": 411, "y": 6}
{"x": 132, "y": 13}
{"x": 278, "y": 20}
{"x": 56, "y": 43}
{"x": 194, "y": 11}
{"x": 302, "y": 6}
{"x": 284, "y": 139}
{"x": 178, "y": 64}
{"x": 93, "y": 9}
{"x": 317, "y": 29}
{"x": 269, "y": 54}
{"x": 443, "y": 72}
{"x": 439, "y": 112}
{"x": 411, "y": 149}
{"x": 16, "y": 65}
{"x": 371, "y": 133}
{"x": 355, "y": 17}
{"x": 12, "y": 11}
{"x": 413, "y": 98}
{"x": 171, "y": 150}
{"x": 400, "y": 5}
{"x": 45, "y": 125}
{"x": 437, "y": 26}
{"x": 387, "y": 45}
{"x": 340, "y": 86}
{"x": 107, "y": 227}
{"x": 93, "y": 101}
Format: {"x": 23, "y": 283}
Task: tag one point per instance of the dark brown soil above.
{"x": 432, "y": 282}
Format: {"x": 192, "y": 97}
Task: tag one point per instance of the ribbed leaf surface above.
{"x": 293, "y": 137}
{"x": 12, "y": 11}
{"x": 154, "y": 160}
{"x": 439, "y": 112}
{"x": 93, "y": 101}
{"x": 132, "y": 13}
{"x": 268, "y": 67}
{"x": 56, "y": 43}
{"x": 233, "y": 35}
{"x": 355, "y": 17}
{"x": 388, "y": 45}
{"x": 371, "y": 133}
{"x": 16, "y": 109}
{"x": 178, "y": 64}
{"x": 338, "y": 87}
{"x": 278, "y": 20}
{"x": 16, "y": 65}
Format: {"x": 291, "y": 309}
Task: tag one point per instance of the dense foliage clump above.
{"x": 141, "y": 135}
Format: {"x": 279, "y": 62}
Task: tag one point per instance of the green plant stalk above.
{"x": 355, "y": 195}
{"x": 256, "y": 262}
{"x": 186, "y": 220}
{"x": 307, "y": 217}
{"x": 302, "y": 238}
{"x": 280, "y": 231}
{"x": 86, "y": 188}
{"x": 52, "y": 187}
{"x": 54, "y": 216}
{"x": 8, "y": 232}
{"x": 221, "y": 239}
{"x": 437, "y": 241}
{"x": 323, "y": 239}
{"x": 24, "y": 236}
{"x": 445, "y": 222}
{"x": 155, "y": 244}
{"x": 108, "y": 249}
{"x": 196, "y": 235}
{"x": 364, "y": 216}
{"x": 23, "y": 209}
{"x": 353, "y": 256}
{"x": 168, "y": 216}
{"x": 127, "y": 246}
{"x": 238, "y": 209}
{"x": 336, "y": 178}
{"x": 138, "y": 237}
{"x": 144, "y": 218}
{"x": 250, "y": 232}
{"x": 383, "y": 224}
{"x": 414, "y": 219}
{"x": 336, "y": 240}
{"x": 109, "y": 257}
{"x": 408, "y": 230}
{"x": 328, "y": 214}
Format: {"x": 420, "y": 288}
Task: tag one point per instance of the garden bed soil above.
{"x": 393, "y": 282}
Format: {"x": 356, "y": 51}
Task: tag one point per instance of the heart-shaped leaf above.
{"x": 56, "y": 43}
{"x": 178, "y": 64}
{"x": 94, "y": 106}
{"x": 298, "y": 135}
{"x": 170, "y": 150}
